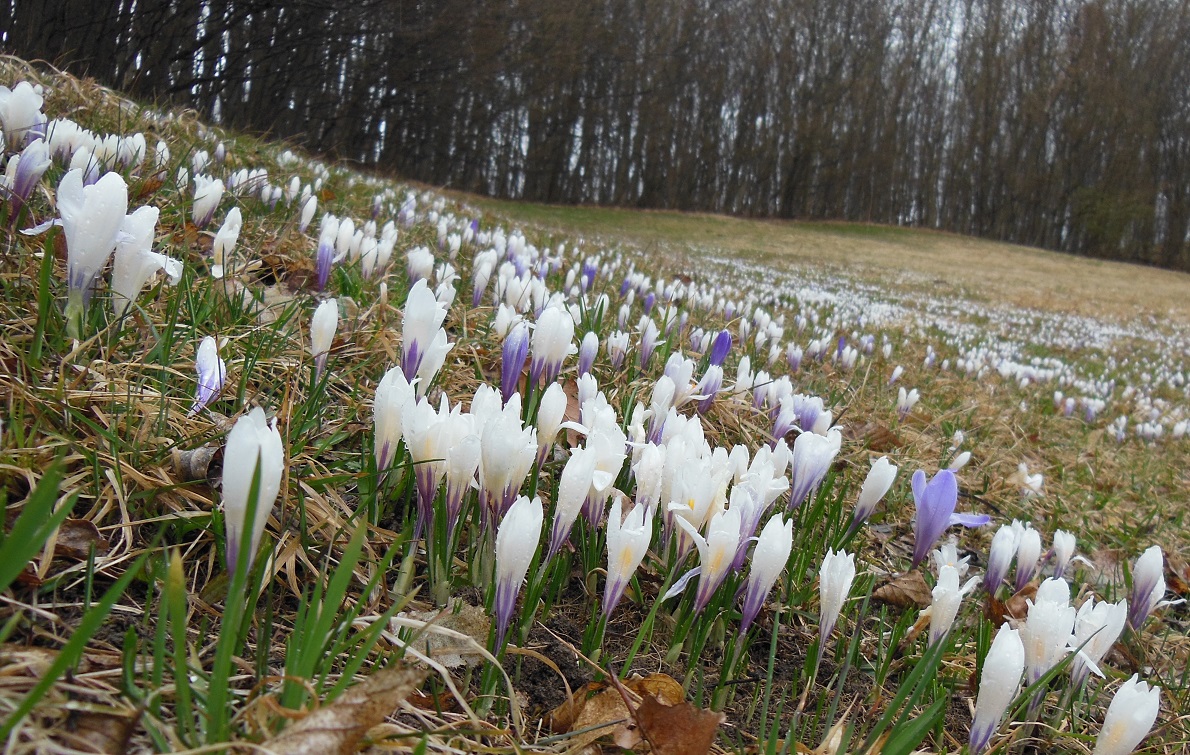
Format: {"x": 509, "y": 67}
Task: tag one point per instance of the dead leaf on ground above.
{"x": 596, "y": 707}
{"x": 1016, "y": 607}
{"x": 678, "y": 729}
{"x": 1177, "y": 574}
{"x": 100, "y": 732}
{"x": 339, "y": 727}
{"x": 76, "y": 538}
{"x": 874, "y": 436}
{"x": 198, "y": 463}
{"x": 906, "y": 591}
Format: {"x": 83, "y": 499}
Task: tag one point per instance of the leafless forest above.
{"x": 1058, "y": 123}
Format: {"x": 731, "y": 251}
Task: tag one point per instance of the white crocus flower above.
{"x": 253, "y": 443}
{"x": 135, "y": 260}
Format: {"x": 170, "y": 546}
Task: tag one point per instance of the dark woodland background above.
{"x": 1057, "y": 123}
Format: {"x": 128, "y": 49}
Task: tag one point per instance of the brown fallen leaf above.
{"x": 100, "y": 732}
{"x": 678, "y": 729}
{"x": 198, "y": 463}
{"x": 76, "y": 538}
{"x": 873, "y": 436}
{"x": 595, "y": 708}
{"x": 1177, "y": 574}
{"x": 1015, "y": 607}
{"x": 339, "y": 727}
{"x": 906, "y": 591}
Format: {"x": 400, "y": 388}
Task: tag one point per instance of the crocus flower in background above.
{"x": 935, "y": 502}
{"x": 1062, "y": 551}
{"x": 324, "y": 257}
{"x": 207, "y": 194}
{"x": 834, "y": 584}
{"x": 1148, "y": 586}
{"x": 135, "y": 260}
{"x": 880, "y": 478}
{"x": 512, "y": 359}
{"x": 960, "y": 461}
{"x": 649, "y": 335}
{"x": 588, "y": 348}
{"x": 421, "y": 331}
{"x": 906, "y": 400}
{"x": 212, "y": 373}
{"x": 1131, "y": 715}
{"x": 91, "y": 219}
{"x": 1028, "y": 552}
{"x": 617, "y": 348}
{"x": 23, "y": 173}
{"x": 1003, "y": 549}
{"x": 768, "y": 561}
{"x": 573, "y": 486}
{"x": 813, "y": 455}
{"x": 552, "y": 342}
{"x": 225, "y": 242}
{"x": 392, "y": 394}
{"x": 427, "y": 436}
{"x": 627, "y": 542}
{"x": 998, "y": 685}
{"x": 20, "y": 110}
{"x": 1097, "y": 626}
{"x": 1031, "y": 484}
{"x": 309, "y": 208}
{"x": 708, "y": 387}
{"x": 517, "y": 540}
{"x": 253, "y": 443}
{"x": 322, "y": 333}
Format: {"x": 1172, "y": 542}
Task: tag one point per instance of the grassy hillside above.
{"x": 141, "y": 610}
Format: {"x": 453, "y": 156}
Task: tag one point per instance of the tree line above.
{"x": 1058, "y": 123}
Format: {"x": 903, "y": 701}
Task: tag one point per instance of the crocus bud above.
{"x": 225, "y": 242}
{"x": 627, "y": 542}
{"x": 391, "y": 396}
{"x": 1001, "y": 679}
{"x": 135, "y": 260}
{"x": 720, "y": 348}
{"x": 768, "y": 561}
{"x": 587, "y": 351}
{"x": 512, "y": 359}
{"x": 517, "y": 541}
{"x": 550, "y": 414}
{"x": 322, "y": 333}
{"x": 207, "y": 194}
{"x": 1063, "y": 551}
{"x": 309, "y": 207}
{"x": 1148, "y": 586}
{"x": 906, "y": 401}
{"x": 252, "y": 444}
{"x": 212, "y": 373}
{"x": 573, "y": 486}
{"x": 876, "y": 484}
{"x": 649, "y": 335}
{"x": 999, "y": 558}
{"x": 959, "y": 461}
{"x": 552, "y": 342}
{"x": 834, "y": 584}
{"x": 25, "y": 170}
{"x": 1028, "y": 551}
{"x": 1131, "y": 715}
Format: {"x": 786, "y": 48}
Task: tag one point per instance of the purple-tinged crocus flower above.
{"x": 552, "y": 342}
{"x": 423, "y": 320}
{"x": 768, "y": 561}
{"x": 1000, "y": 557}
{"x": 512, "y": 359}
{"x": 1001, "y": 679}
{"x": 517, "y": 541}
{"x": 627, "y": 542}
{"x": 720, "y": 347}
{"x": 212, "y": 373}
{"x": 1148, "y": 586}
{"x": 253, "y": 443}
{"x": 935, "y": 502}
{"x": 813, "y": 455}
{"x": 587, "y": 350}
{"x": 325, "y": 256}
{"x": 25, "y": 170}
